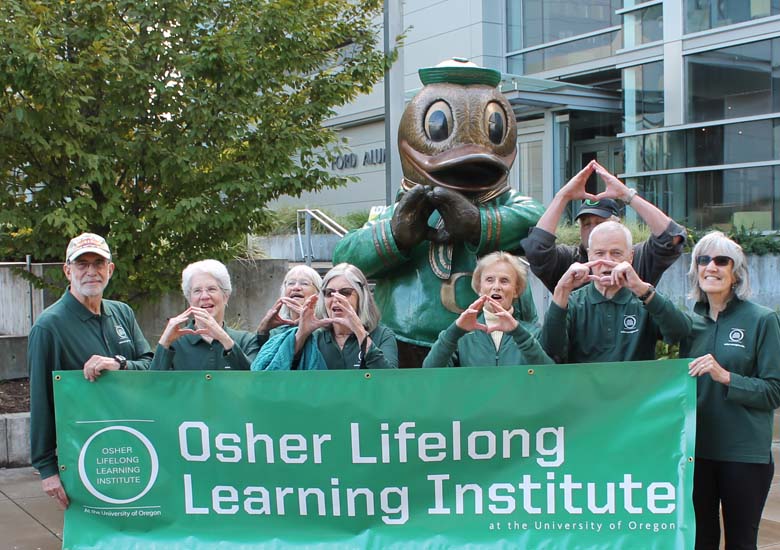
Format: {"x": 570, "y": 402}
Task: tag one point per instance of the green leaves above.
{"x": 167, "y": 125}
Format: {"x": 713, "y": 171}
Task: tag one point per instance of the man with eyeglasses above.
{"x": 80, "y": 331}
{"x": 650, "y": 258}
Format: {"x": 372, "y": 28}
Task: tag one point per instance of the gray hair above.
{"x": 715, "y": 243}
{"x": 521, "y": 273}
{"x": 610, "y": 225}
{"x": 298, "y": 272}
{"x": 367, "y": 310}
{"x": 208, "y": 267}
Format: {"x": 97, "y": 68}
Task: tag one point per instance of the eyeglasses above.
{"x": 297, "y": 282}
{"x": 83, "y": 265}
{"x": 720, "y": 261}
{"x": 346, "y": 291}
{"x": 210, "y": 290}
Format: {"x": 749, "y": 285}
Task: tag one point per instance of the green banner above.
{"x": 559, "y": 456}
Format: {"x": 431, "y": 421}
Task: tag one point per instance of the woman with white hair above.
{"x": 736, "y": 345}
{"x": 299, "y": 283}
{"x": 338, "y": 329}
{"x": 488, "y": 333}
{"x": 197, "y": 338}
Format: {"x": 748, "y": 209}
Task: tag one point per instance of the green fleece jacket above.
{"x": 734, "y": 422}
{"x": 64, "y": 337}
{"x": 192, "y": 352}
{"x": 596, "y": 329}
{"x": 457, "y": 348}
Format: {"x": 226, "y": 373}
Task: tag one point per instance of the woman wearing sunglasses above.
{"x": 736, "y": 346}
{"x": 338, "y": 329}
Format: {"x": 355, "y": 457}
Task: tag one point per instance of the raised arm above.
{"x": 573, "y": 190}
{"x": 656, "y": 220}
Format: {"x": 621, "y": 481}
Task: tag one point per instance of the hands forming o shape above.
{"x": 272, "y": 319}
{"x": 575, "y": 187}
{"x": 469, "y": 321}
{"x": 350, "y": 319}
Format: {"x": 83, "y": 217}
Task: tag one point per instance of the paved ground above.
{"x": 30, "y": 520}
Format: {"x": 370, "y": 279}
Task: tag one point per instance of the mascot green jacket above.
{"x": 457, "y": 143}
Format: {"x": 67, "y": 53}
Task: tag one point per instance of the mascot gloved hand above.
{"x": 457, "y": 141}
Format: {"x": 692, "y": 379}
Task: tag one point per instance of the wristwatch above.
{"x": 646, "y": 296}
{"x": 122, "y": 360}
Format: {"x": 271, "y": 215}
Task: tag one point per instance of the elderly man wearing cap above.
{"x": 79, "y": 331}
{"x": 651, "y": 257}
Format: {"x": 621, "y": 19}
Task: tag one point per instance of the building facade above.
{"x": 677, "y": 97}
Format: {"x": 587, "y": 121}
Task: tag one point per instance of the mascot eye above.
{"x": 438, "y": 121}
{"x": 495, "y": 122}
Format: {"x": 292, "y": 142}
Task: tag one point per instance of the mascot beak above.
{"x": 466, "y": 168}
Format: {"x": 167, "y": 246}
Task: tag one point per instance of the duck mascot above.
{"x": 457, "y": 141}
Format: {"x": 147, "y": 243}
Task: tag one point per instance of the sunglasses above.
{"x": 720, "y": 261}
{"x": 346, "y": 291}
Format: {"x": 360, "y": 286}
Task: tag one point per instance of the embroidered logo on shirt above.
{"x": 629, "y": 325}
{"x": 736, "y": 335}
{"x": 120, "y": 331}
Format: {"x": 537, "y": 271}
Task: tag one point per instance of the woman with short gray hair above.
{"x": 197, "y": 338}
{"x": 736, "y": 345}
{"x": 487, "y": 332}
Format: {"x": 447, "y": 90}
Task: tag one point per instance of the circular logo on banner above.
{"x": 118, "y": 464}
{"x": 736, "y": 335}
{"x": 629, "y": 322}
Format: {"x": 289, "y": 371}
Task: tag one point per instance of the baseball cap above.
{"x": 603, "y": 208}
{"x": 87, "y": 242}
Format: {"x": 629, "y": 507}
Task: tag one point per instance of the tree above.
{"x": 168, "y": 125}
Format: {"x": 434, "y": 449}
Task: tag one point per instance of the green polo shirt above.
{"x": 381, "y": 354}
{"x": 595, "y": 329}
{"x": 734, "y": 422}
{"x": 64, "y": 337}
{"x": 192, "y": 352}
{"x": 457, "y": 348}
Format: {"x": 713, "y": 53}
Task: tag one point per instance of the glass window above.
{"x": 701, "y": 15}
{"x": 643, "y": 26}
{"x": 643, "y": 97}
{"x": 531, "y": 166}
{"x": 756, "y": 141}
{"x": 535, "y": 22}
{"x": 545, "y": 21}
{"x": 722, "y": 199}
{"x": 569, "y": 53}
{"x": 514, "y": 28}
{"x": 732, "y": 82}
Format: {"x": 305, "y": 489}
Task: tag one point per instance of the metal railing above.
{"x": 326, "y": 221}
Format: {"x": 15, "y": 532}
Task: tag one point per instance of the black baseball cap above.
{"x": 604, "y": 208}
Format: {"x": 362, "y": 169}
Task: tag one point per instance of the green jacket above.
{"x": 64, "y": 337}
{"x": 734, "y": 422}
{"x": 381, "y": 354}
{"x": 191, "y": 352}
{"x": 423, "y": 292}
{"x": 594, "y": 329}
{"x": 457, "y": 348}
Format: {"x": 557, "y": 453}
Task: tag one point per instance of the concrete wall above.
{"x": 14, "y": 439}
{"x": 288, "y": 246}
{"x": 13, "y": 357}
